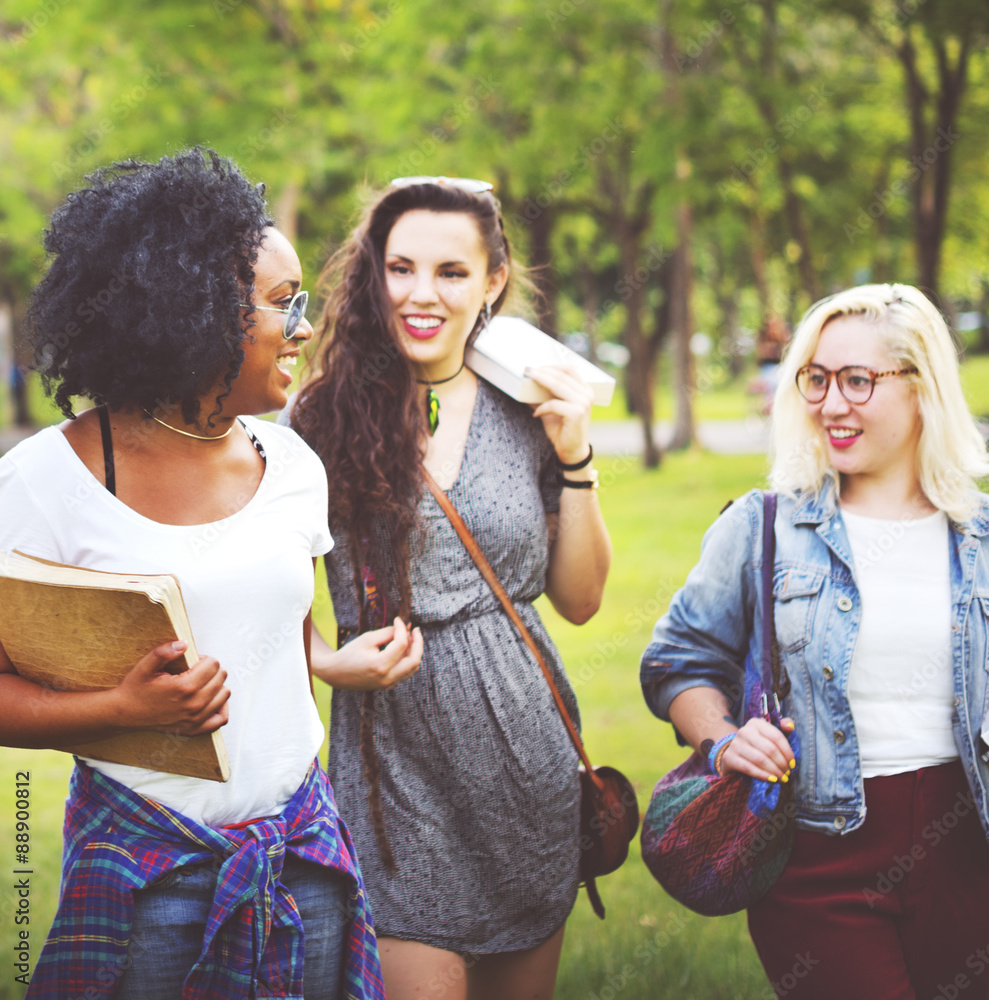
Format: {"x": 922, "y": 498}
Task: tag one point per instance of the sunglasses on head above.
{"x": 464, "y": 183}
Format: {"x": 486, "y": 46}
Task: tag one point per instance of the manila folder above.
{"x": 74, "y": 629}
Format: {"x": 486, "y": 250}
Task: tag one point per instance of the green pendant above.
{"x": 432, "y": 410}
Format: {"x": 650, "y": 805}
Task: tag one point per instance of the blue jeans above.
{"x": 170, "y": 921}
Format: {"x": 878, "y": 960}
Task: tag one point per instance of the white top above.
{"x": 247, "y": 582}
{"x": 900, "y": 688}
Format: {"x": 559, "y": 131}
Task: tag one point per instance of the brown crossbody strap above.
{"x": 499, "y": 591}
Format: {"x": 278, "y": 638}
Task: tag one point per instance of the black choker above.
{"x": 432, "y": 400}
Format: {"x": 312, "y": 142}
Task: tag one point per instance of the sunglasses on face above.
{"x": 464, "y": 183}
{"x": 293, "y": 314}
{"x": 855, "y": 382}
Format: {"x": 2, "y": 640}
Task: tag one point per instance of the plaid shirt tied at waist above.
{"x": 117, "y": 841}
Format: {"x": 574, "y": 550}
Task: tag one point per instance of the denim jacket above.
{"x": 704, "y": 637}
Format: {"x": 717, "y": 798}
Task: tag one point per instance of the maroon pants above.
{"x": 896, "y": 910}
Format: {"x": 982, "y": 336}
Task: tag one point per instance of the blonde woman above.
{"x": 882, "y": 571}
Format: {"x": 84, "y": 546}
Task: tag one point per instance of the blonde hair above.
{"x": 951, "y": 453}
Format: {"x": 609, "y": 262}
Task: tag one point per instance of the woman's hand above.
{"x": 151, "y": 696}
{"x": 760, "y": 750}
{"x": 372, "y": 661}
{"x": 567, "y": 417}
{"x": 580, "y": 550}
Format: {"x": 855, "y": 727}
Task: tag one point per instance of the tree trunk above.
{"x": 759, "y": 270}
{"x": 542, "y": 273}
{"x": 681, "y": 328}
{"x": 798, "y": 231}
{"x": 7, "y": 360}
{"x": 931, "y": 148}
{"x": 592, "y": 302}
{"x": 983, "y": 347}
{"x": 639, "y": 373}
{"x": 287, "y": 211}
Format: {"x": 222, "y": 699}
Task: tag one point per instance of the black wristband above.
{"x": 581, "y": 484}
{"x": 575, "y": 466}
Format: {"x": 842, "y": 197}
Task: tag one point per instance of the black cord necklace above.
{"x": 432, "y": 400}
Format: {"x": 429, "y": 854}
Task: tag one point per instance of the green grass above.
{"x": 648, "y": 946}
{"x": 714, "y": 399}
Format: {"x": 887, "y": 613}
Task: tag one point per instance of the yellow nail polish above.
{"x": 793, "y": 763}
{"x": 772, "y": 777}
{"x": 786, "y": 777}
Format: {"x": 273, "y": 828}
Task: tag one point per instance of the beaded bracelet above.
{"x": 717, "y": 752}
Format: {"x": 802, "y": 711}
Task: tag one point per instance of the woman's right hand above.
{"x": 373, "y": 660}
{"x": 189, "y": 703}
{"x": 760, "y": 750}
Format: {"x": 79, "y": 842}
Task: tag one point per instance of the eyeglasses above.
{"x": 855, "y": 383}
{"x": 464, "y": 183}
{"x": 293, "y": 314}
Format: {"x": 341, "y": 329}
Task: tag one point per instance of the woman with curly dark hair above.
{"x": 448, "y": 756}
{"x": 173, "y": 303}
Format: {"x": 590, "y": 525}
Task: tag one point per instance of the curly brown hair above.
{"x": 362, "y": 414}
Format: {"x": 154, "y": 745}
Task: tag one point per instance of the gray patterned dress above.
{"x": 478, "y": 776}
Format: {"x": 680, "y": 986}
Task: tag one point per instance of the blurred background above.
{"x": 683, "y": 177}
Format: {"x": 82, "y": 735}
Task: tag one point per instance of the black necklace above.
{"x": 432, "y": 400}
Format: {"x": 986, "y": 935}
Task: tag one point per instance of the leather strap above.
{"x": 774, "y": 677}
{"x": 109, "y": 470}
{"x": 499, "y": 591}
{"x": 769, "y": 681}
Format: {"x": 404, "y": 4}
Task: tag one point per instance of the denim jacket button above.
{"x": 839, "y": 737}
{"x": 839, "y": 822}
{"x": 844, "y": 603}
{"x": 828, "y": 673}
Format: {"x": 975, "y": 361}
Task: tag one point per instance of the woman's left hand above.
{"x": 567, "y": 417}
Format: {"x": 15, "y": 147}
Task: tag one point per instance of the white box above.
{"x": 509, "y": 345}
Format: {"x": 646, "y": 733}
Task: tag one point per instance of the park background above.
{"x": 679, "y": 175}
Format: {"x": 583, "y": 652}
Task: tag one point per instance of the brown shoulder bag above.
{"x": 609, "y": 810}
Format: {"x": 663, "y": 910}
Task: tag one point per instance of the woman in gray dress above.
{"x": 448, "y": 756}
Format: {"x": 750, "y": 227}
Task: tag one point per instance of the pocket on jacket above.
{"x": 796, "y": 592}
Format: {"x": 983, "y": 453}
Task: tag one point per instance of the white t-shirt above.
{"x": 900, "y": 688}
{"x": 247, "y": 582}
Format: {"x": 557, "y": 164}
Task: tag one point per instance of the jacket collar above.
{"x": 816, "y": 508}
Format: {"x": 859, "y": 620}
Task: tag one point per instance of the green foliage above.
{"x": 588, "y": 116}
